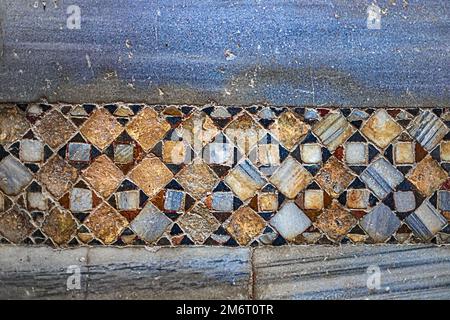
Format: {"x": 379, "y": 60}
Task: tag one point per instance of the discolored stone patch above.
{"x": 15, "y": 225}
{"x": 58, "y": 176}
{"x": 427, "y": 176}
{"x": 334, "y": 177}
{"x": 289, "y": 129}
{"x": 106, "y": 223}
{"x": 151, "y": 175}
{"x": 103, "y": 175}
{"x": 60, "y": 226}
{"x": 101, "y": 128}
{"x": 244, "y": 225}
{"x": 13, "y": 124}
{"x": 381, "y": 129}
{"x": 55, "y": 129}
{"x": 199, "y": 223}
{"x": 291, "y": 178}
{"x": 197, "y": 179}
{"x": 335, "y": 221}
{"x": 14, "y": 176}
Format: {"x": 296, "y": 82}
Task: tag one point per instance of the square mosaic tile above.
{"x": 122, "y": 174}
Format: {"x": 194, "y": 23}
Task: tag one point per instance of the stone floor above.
{"x": 121, "y": 174}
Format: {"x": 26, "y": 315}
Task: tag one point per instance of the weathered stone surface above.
{"x": 15, "y": 225}
{"x": 381, "y": 177}
{"x": 381, "y": 129}
{"x": 57, "y": 176}
{"x": 334, "y": 177}
{"x": 244, "y": 132}
{"x": 198, "y": 130}
{"x": 329, "y": 272}
{"x": 151, "y": 175}
{"x": 13, "y": 124}
{"x": 358, "y": 198}
{"x": 103, "y": 175}
{"x": 244, "y": 225}
{"x": 445, "y": 150}
{"x": 147, "y": 128}
{"x": 59, "y": 226}
{"x": 335, "y": 221}
{"x": 426, "y": 221}
{"x": 404, "y": 153}
{"x": 380, "y": 223}
{"x": 427, "y": 176}
{"x": 289, "y": 129}
{"x": 31, "y": 150}
{"x": 106, "y": 223}
{"x": 151, "y": 223}
{"x": 101, "y": 128}
{"x": 291, "y": 178}
{"x": 199, "y": 223}
{"x": 14, "y": 176}
{"x": 290, "y": 221}
{"x": 245, "y": 180}
{"x": 197, "y": 179}
{"x": 333, "y": 130}
{"x": 428, "y": 129}
{"x": 55, "y": 129}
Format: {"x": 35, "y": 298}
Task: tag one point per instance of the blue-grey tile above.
{"x": 382, "y": 177}
{"x": 380, "y": 223}
{"x": 79, "y": 152}
{"x": 426, "y": 221}
{"x": 174, "y": 200}
{"x": 150, "y": 224}
{"x": 444, "y": 200}
{"x": 222, "y": 201}
{"x": 428, "y": 130}
{"x": 14, "y": 176}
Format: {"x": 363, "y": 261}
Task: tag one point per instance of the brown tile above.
{"x": 15, "y": 225}
{"x": 55, "y": 129}
{"x": 335, "y": 221}
{"x": 101, "y": 129}
{"x": 358, "y": 198}
{"x": 198, "y": 130}
{"x": 199, "y": 223}
{"x": 13, "y": 124}
{"x": 245, "y": 180}
{"x": 244, "y": 132}
{"x": 445, "y": 151}
{"x": 334, "y": 177}
{"x": 147, "y": 128}
{"x": 313, "y": 199}
{"x": 106, "y": 223}
{"x": 151, "y": 175}
{"x": 57, "y": 176}
{"x": 381, "y": 129}
{"x": 244, "y": 225}
{"x": 289, "y": 129}
{"x": 267, "y": 202}
{"x": 59, "y": 226}
{"x": 174, "y": 152}
{"x": 103, "y": 175}
{"x": 197, "y": 179}
{"x": 427, "y": 176}
{"x": 404, "y": 153}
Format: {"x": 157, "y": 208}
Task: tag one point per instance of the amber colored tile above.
{"x": 445, "y": 150}
{"x": 404, "y": 153}
{"x": 244, "y": 225}
{"x": 15, "y": 225}
{"x": 198, "y": 130}
{"x": 55, "y": 129}
{"x": 289, "y": 129}
{"x": 197, "y": 179}
{"x": 427, "y": 176}
{"x": 101, "y": 129}
{"x": 174, "y": 152}
{"x": 103, "y": 175}
{"x": 358, "y": 198}
{"x": 106, "y": 223}
{"x": 334, "y": 177}
{"x": 147, "y": 128}
{"x": 59, "y": 226}
{"x": 57, "y": 176}
{"x": 199, "y": 223}
{"x": 245, "y": 180}
{"x": 245, "y": 132}
{"x": 335, "y": 221}
{"x": 267, "y": 202}
{"x": 381, "y": 129}
{"x": 313, "y": 200}
{"x": 151, "y": 175}
{"x": 13, "y": 124}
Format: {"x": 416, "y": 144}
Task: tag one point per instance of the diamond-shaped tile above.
{"x": 60, "y": 226}
{"x": 147, "y": 128}
{"x": 151, "y": 223}
{"x": 245, "y": 180}
{"x": 381, "y": 177}
{"x": 103, "y": 176}
{"x": 199, "y": 223}
{"x": 244, "y": 132}
{"x": 426, "y": 221}
{"x": 106, "y": 223}
{"x": 334, "y": 177}
{"x": 151, "y": 175}
{"x": 197, "y": 179}
{"x": 13, "y": 124}
{"x": 289, "y": 129}
{"x": 14, "y": 176}
{"x": 54, "y": 129}
{"x": 380, "y": 223}
{"x": 333, "y": 130}
{"x": 101, "y": 128}
{"x": 428, "y": 130}
{"x": 57, "y": 176}
{"x": 427, "y": 176}
{"x": 15, "y": 225}
{"x": 335, "y": 221}
{"x": 381, "y": 129}
{"x": 244, "y": 225}
{"x": 291, "y": 178}
{"x": 290, "y": 221}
